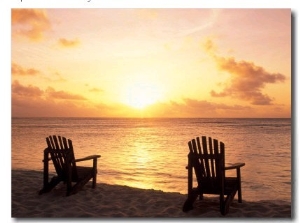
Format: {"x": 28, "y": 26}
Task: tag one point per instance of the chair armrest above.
{"x": 88, "y": 158}
{"x": 237, "y": 167}
{"x": 48, "y": 159}
{"x": 234, "y": 166}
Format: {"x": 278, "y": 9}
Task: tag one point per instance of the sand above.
{"x": 121, "y": 202}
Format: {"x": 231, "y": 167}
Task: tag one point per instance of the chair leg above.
{"x": 225, "y": 204}
{"x": 94, "y": 179}
{"x": 78, "y": 186}
{"x": 95, "y": 173}
{"x": 50, "y": 185}
{"x": 239, "y": 195}
{"x": 188, "y": 204}
{"x": 238, "y": 171}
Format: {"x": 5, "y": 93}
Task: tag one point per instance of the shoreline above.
{"x": 117, "y": 201}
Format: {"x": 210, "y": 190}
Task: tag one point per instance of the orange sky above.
{"x": 151, "y": 62}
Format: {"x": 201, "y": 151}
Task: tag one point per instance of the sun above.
{"x": 142, "y": 94}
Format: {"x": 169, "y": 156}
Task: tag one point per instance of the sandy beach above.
{"x": 117, "y": 202}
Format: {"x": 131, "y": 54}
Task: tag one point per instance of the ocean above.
{"x": 152, "y": 153}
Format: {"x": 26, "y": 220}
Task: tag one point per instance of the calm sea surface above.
{"x": 152, "y": 153}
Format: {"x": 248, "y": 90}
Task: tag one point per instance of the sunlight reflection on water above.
{"x": 152, "y": 153}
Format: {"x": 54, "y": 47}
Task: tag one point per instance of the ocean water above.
{"x": 152, "y": 153}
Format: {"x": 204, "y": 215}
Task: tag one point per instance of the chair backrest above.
{"x": 208, "y": 159}
{"x": 61, "y": 153}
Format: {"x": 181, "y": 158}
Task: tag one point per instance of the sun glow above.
{"x": 141, "y": 94}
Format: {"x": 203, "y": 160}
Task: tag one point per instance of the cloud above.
{"x": 68, "y": 43}
{"x": 96, "y": 90}
{"x": 209, "y": 47}
{"x": 29, "y": 91}
{"x": 196, "y": 108}
{"x": 31, "y": 23}
{"x": 58, "y": 77}
{"x": 50, "y": 93}
{"x": 246, "y": 81}
{"x": 20, "y": 71}
{"x": 31, "y": 101}
{"x": 63, "y": 95}
{"x": 54, "y": 77}
{"x": 206, "y": 108}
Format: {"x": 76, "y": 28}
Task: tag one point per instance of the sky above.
{"x": 180, "y": 62}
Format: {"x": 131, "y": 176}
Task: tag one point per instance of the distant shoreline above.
{"x": 67, "y": 117}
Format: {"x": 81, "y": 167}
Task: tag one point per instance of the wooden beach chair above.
{"x": 207, "y": 158}
{"x": 60, "y": 152}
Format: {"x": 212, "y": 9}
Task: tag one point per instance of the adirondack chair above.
{"x": 60, "y": 152}
{"x": 207, "y": 158}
